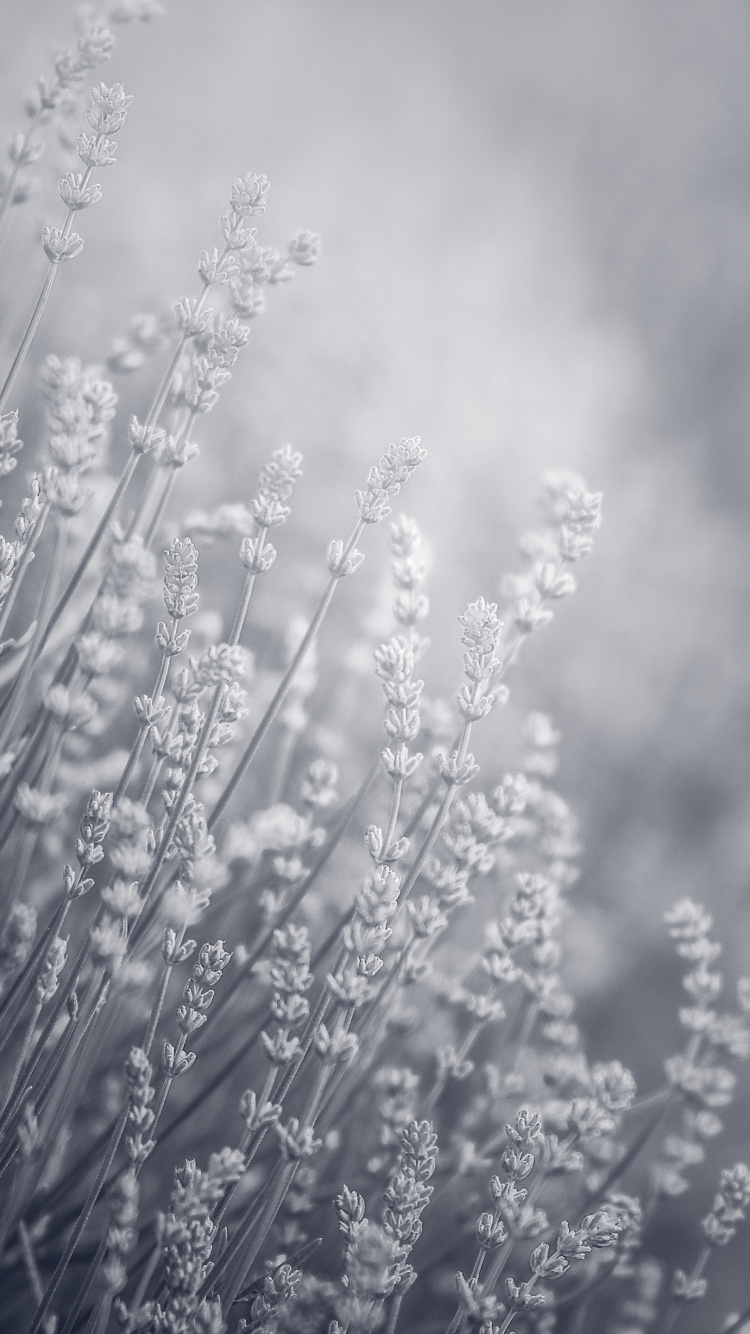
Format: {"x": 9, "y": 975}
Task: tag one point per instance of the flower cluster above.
{"x": 729, "y": 1206}
{"x": 385, "y": 481}
{"x": 290, "y": 977}
{"x": 268, "y": 508}
{"x": 698, "y": 1074}
{"x": 15, "y": 554}
{"x": 571, "y": 516}
{"x": 187, "y": 1236}
{"x": 408, "y": 1195}
{"x": 395, "y": 664}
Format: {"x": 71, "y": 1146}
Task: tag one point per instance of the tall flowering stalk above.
{"x": 106, "y": 116}
{"x": 384, "y": 481}
{"x": 26, "y": 147}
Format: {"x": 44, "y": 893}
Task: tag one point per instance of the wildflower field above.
{"x": 375, "y": 936}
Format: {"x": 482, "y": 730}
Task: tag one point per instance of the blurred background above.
{"x": 536, "y": 252}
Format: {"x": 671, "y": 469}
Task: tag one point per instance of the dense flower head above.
{"x": 304, "y": 247}
{"x": 730, "y": 1205}
{"x": 384, "y": 481}
{"x": 92, "y": 49}
{"x": 181, "y": 578}
{"x": 249, "y": 195}
{"x": 108, "y": 109}
{"x": 614, "y": 1086}
{"x": 278, "y": 476}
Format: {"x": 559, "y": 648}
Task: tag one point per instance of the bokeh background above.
{"x": 536, "y": 228}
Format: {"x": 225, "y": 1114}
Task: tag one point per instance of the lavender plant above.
{"x": 235, "y": 1057}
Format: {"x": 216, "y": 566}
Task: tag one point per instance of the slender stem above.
{"x": 456, "y": 1322}
{"x": 84, "y": 1288}
{"x": 153, "y": 774}
{"x": 150, "y": 1034}
{"x": 42, "y": 1088}
{"x": 503, "y": 1254}
{"x": 278, "y": 1193}
{"x": 152, "y": 526}
{"x": 282, "y": 689}
{"x": 506, "y": 1323}
{"x": 390, "y": 833}
{"x": 632, "y": 1152}
{"x": 81, "y": 1222}
{"x": 676, "y": 1308}
{"x": 243, "y": 1230}
{"x": 393, "y": 1314}
{"x": 29, "y": 332}
{"x": 94, "y": 542}
{"x": 98, "y": 1324}
{"x": 29, "y": 1259}
{"x": 18, "y": 688}
{"x": 284, "y": 754}
{"x": 24, "y": 981}
{"x": 140, "y": 741}
{"x": 6, "y": 204}
{"x": 28, "y": 556}
{"x": 441, "y": 1079}
{"x": 158, "y": 490}
{"x": 158, "y": 1108}
{"x": 427, "y": 846}
{"x": 67, "y": 1084}
{"x": 301, "y": 891}
{"x": 241, "y": 613}
{"x": 26, "y": 1044}
{"x": 62, "y": 1188}
{"x": 145, "y": 1279}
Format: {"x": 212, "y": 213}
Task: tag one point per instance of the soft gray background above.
{"x": 536, "y": 224}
